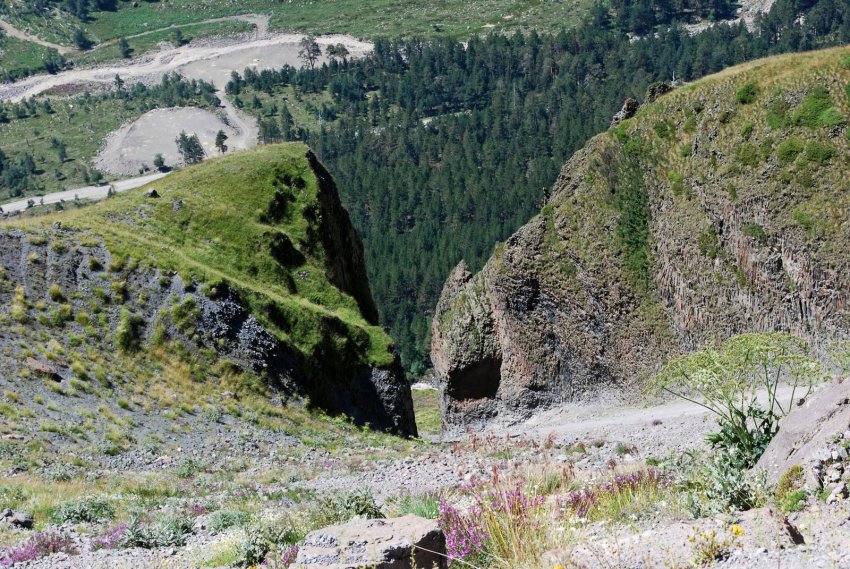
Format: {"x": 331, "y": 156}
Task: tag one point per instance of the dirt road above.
{"x": 86, "y": 193}
{"x": 14, "y": 32}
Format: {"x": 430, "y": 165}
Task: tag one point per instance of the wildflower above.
{"x": 737, "y": 530}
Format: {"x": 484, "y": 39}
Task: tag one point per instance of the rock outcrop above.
{"x": 400, "y": 543}
{"x": 814, "y": 436}
{"x": 682, "y": 226}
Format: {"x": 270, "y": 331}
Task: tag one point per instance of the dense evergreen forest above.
{"x": 441, "y": 150}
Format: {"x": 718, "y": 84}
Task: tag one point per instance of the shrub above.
{"x": 755, "y": 231}
{"x": 725, "y": 381}
{"x": 188, "y": 467}
{"x": 789, "y": 149}
{"x": 55, "y": 293}
{"x": 819, "y": 153}
{"x": 818, "y": 111}
{"x": 168, "y": 530}
{"x": 747, "y": 130}
{"x": 345, "y": 506}
{"x": 789, "y": 492}
{"x": 129, "y": 331}
{"x": 224, "y": 519}
{"x": 748, "y": 155}
{"x": 83, "y": 510}
{"x": 708, "y": 243}
{"x": 747, "y": 94}
{"x": 712, "y": 485}
{"x": 19, "y": 305}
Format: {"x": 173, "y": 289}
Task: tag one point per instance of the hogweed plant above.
{"x": 727, "y": 380}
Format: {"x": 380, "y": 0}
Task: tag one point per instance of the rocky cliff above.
{"x": 718, "y": 209}
{"x": 244, "y": 265}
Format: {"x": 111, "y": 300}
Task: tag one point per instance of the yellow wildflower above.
{"x": 737, "y": 530}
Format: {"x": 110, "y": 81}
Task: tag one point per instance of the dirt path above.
{"x": 86, "y": 193}
{"x": 259, "y": 21}
{"x": 208, "y": 62}
{"x": 14, "y": 32}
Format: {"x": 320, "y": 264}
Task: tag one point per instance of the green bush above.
{"x": 747, "y": 94}
{"x": 708, "y": 243}
{"x": 726, "y": 381}
{"x": 168, "y": 530}
{"x": 224, "y": 519}
{"x": 819, "y": 153}
{"x": 777, "y": 114}
{"x": 188, "y": 467}
{"x": 755, "y": 231}
{"x": 748, "y": 155}
{"x": 128, "y": 334}
{"x": 747, "y": 130}
{"x": 342, "y": 507}
{"x": 789, "y": 149}
{"x": 818, "y": 110}
{"x": 713, "y": 485}
{"x": 83, "y": 510}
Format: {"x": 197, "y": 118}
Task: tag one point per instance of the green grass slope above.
{"x": 251, "y": 221}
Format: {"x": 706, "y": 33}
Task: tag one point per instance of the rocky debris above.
{"x": 13, "y": 519}
{"x": 44, "y": 368}
{"x": 812, "y": 436}
{"x": 629, "y": 109}
{"x": 398, "y": 543}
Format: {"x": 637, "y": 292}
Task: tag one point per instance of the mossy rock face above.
{"x": 667, "y": 250}
{"x": 251, "y": 255}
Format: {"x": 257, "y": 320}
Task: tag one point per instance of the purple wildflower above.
{"x": 463, "y": 530}
{"x": 37, "y": 546}
{"x": 111, "y": 539}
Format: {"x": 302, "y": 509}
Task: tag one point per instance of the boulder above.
{"x": 807, "y": 434}
{"x": 398, "y": 543}
{"x": 629, "y": 109}
{"x": 45, "y": 369}
{"x": 15, "y": 519}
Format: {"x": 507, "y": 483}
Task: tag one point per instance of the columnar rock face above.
{"x": 682, "y": 226}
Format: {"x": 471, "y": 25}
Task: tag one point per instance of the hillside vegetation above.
{"x": 717, "y": 210}
{"x": 261, "y": 232}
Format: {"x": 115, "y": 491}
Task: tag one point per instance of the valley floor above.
{"x": 225, "y": 466}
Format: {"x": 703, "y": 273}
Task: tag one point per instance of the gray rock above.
{"x": 838, "y": 493}
{"x": 806, "y": 433}
{"x": 398, "y": 543}
{"x": 15, "y": 519}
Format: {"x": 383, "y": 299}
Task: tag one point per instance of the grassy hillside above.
{"x": 234, "y": 215}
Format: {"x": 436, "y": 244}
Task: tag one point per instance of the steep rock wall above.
{"x": 682, "y": 226}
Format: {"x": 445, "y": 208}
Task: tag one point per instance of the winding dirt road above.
{"x": 87, "y": 193}
{"x": 14, "y": 32}
{"x": 211, "y": 61}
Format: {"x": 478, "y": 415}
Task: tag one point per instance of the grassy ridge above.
{"x": 212, "y": 226}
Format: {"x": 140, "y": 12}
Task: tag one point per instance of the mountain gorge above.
{"x": 719, "y": 209}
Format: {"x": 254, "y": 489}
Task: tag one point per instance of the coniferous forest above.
{"x": 442, "y": 149}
